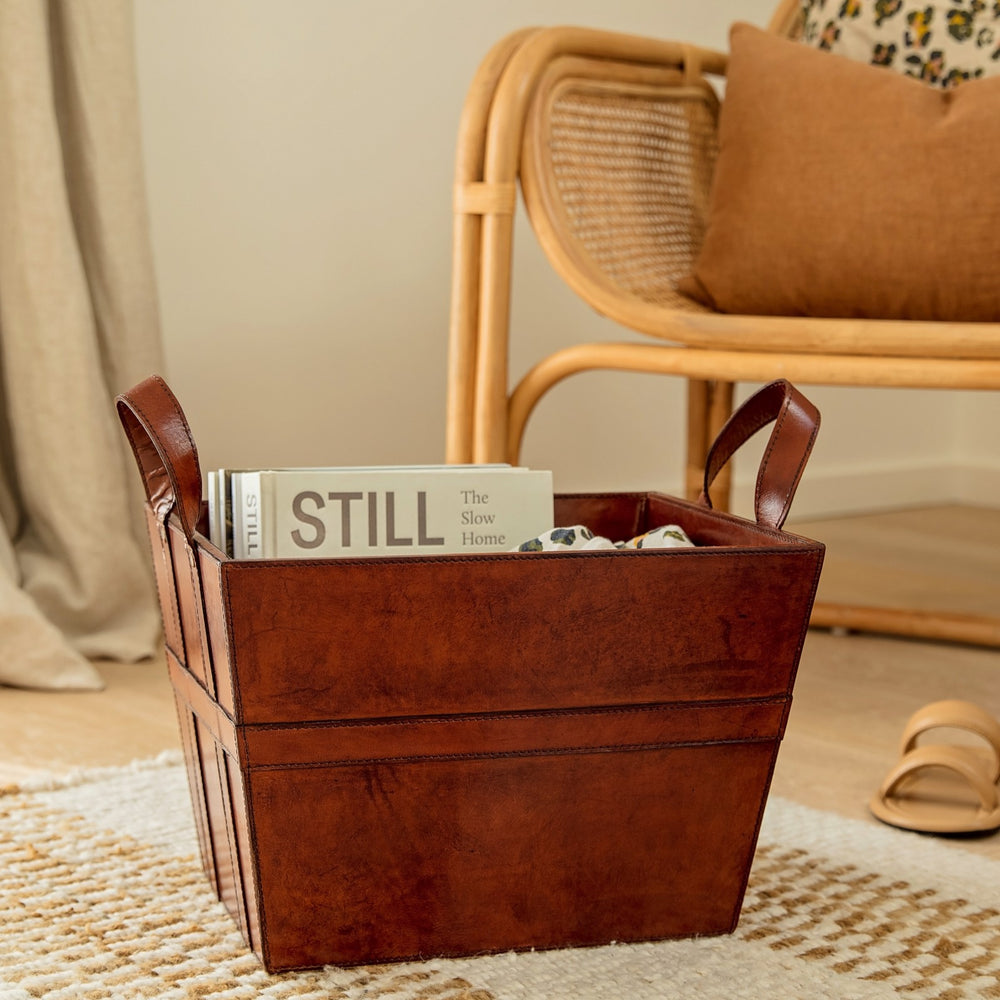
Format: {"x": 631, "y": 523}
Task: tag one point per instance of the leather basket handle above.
{"x": 796, "y": 423}
{"x": 164, "y": 451}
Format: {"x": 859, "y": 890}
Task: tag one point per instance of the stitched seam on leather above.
{"x": 606, "y": 495}
{"x": 129, "y": 426}
{"x": 227, "y": 807}
{"x": 765, "y": 461}
{"x": 166, "y": 557}
{"x": 204, "y": 622}
{"x": 744, "y": 425}
{"x": 196, "y": 776}
{"x": 243, "y": 899}
{"x": 179, "y": 413}
{"x": 192, "y": 762}
{"x": 806, "y": 452}
{"x": 174, "y": 604}
{"x": 164, "y": 605}
{"x": 256, "y": 883}
{"x": 231, "y": 649}
{"x": 516, "y": 754}
{"x": 786, "y": 502}
{"x": 162, "y": 546}
{"x": 726, "y": 551}
{"x": 805, "y": 623}
{"x": 140, "y": 444}
{"x": 187, "y": 430}
{"x": 198, "y": 596}
{"x": 153, "y": 441}
{"x": 540, "y": 714}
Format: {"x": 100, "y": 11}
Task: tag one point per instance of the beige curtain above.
{"x": 78, "y": 323}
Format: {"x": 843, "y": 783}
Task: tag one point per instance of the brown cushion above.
{"x": 845, "y": 190}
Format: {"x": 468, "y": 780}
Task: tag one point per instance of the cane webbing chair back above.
{"x": 623, "y": 170}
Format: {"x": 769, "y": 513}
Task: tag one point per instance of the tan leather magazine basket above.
{"x": 396, "y": 758}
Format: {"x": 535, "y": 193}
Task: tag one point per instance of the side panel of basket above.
{"x": 215, "y": 778}
{"x": 218, "y": 789}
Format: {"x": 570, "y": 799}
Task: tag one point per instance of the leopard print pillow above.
{"x": 941, "y": 44}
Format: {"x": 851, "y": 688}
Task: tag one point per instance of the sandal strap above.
{"x": 954, "y": 714}
{"x": 951, "y": 758}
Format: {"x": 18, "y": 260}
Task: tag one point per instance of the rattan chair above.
{"x": 612, "y": 139}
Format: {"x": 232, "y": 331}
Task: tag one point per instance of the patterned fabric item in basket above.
{"x": 941, "y": 44}
{"x": 579, "y": 536}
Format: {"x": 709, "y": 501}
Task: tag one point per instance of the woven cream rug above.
{"x": 102, "y": 895}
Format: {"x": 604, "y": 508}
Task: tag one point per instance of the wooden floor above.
{"x": 853, "y": 694}
{"x": 940, "y": 559}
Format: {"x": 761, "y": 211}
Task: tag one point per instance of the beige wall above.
{"x": 299, "y": 158}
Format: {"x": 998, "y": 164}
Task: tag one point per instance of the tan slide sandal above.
{"x": 957, "y": 715}
{"x": 939, "y": 789}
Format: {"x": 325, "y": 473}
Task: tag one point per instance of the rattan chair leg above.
{"x": 698, "y": 441}
{"x": 710, "y": 402}
{"x": 720, "y": 407}
{"x": 469, "y": 208}
{"x": 941, "y": 626}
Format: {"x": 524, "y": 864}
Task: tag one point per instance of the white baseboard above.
{"x": 854, "y": 491}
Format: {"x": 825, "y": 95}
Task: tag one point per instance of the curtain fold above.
{"x": 78, "y": 323}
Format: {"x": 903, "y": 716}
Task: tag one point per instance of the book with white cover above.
{"x": 220, "y": 489}
{"x": 387, "y": 511}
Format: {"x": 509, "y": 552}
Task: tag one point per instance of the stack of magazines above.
{"x": 325, "y": 513}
